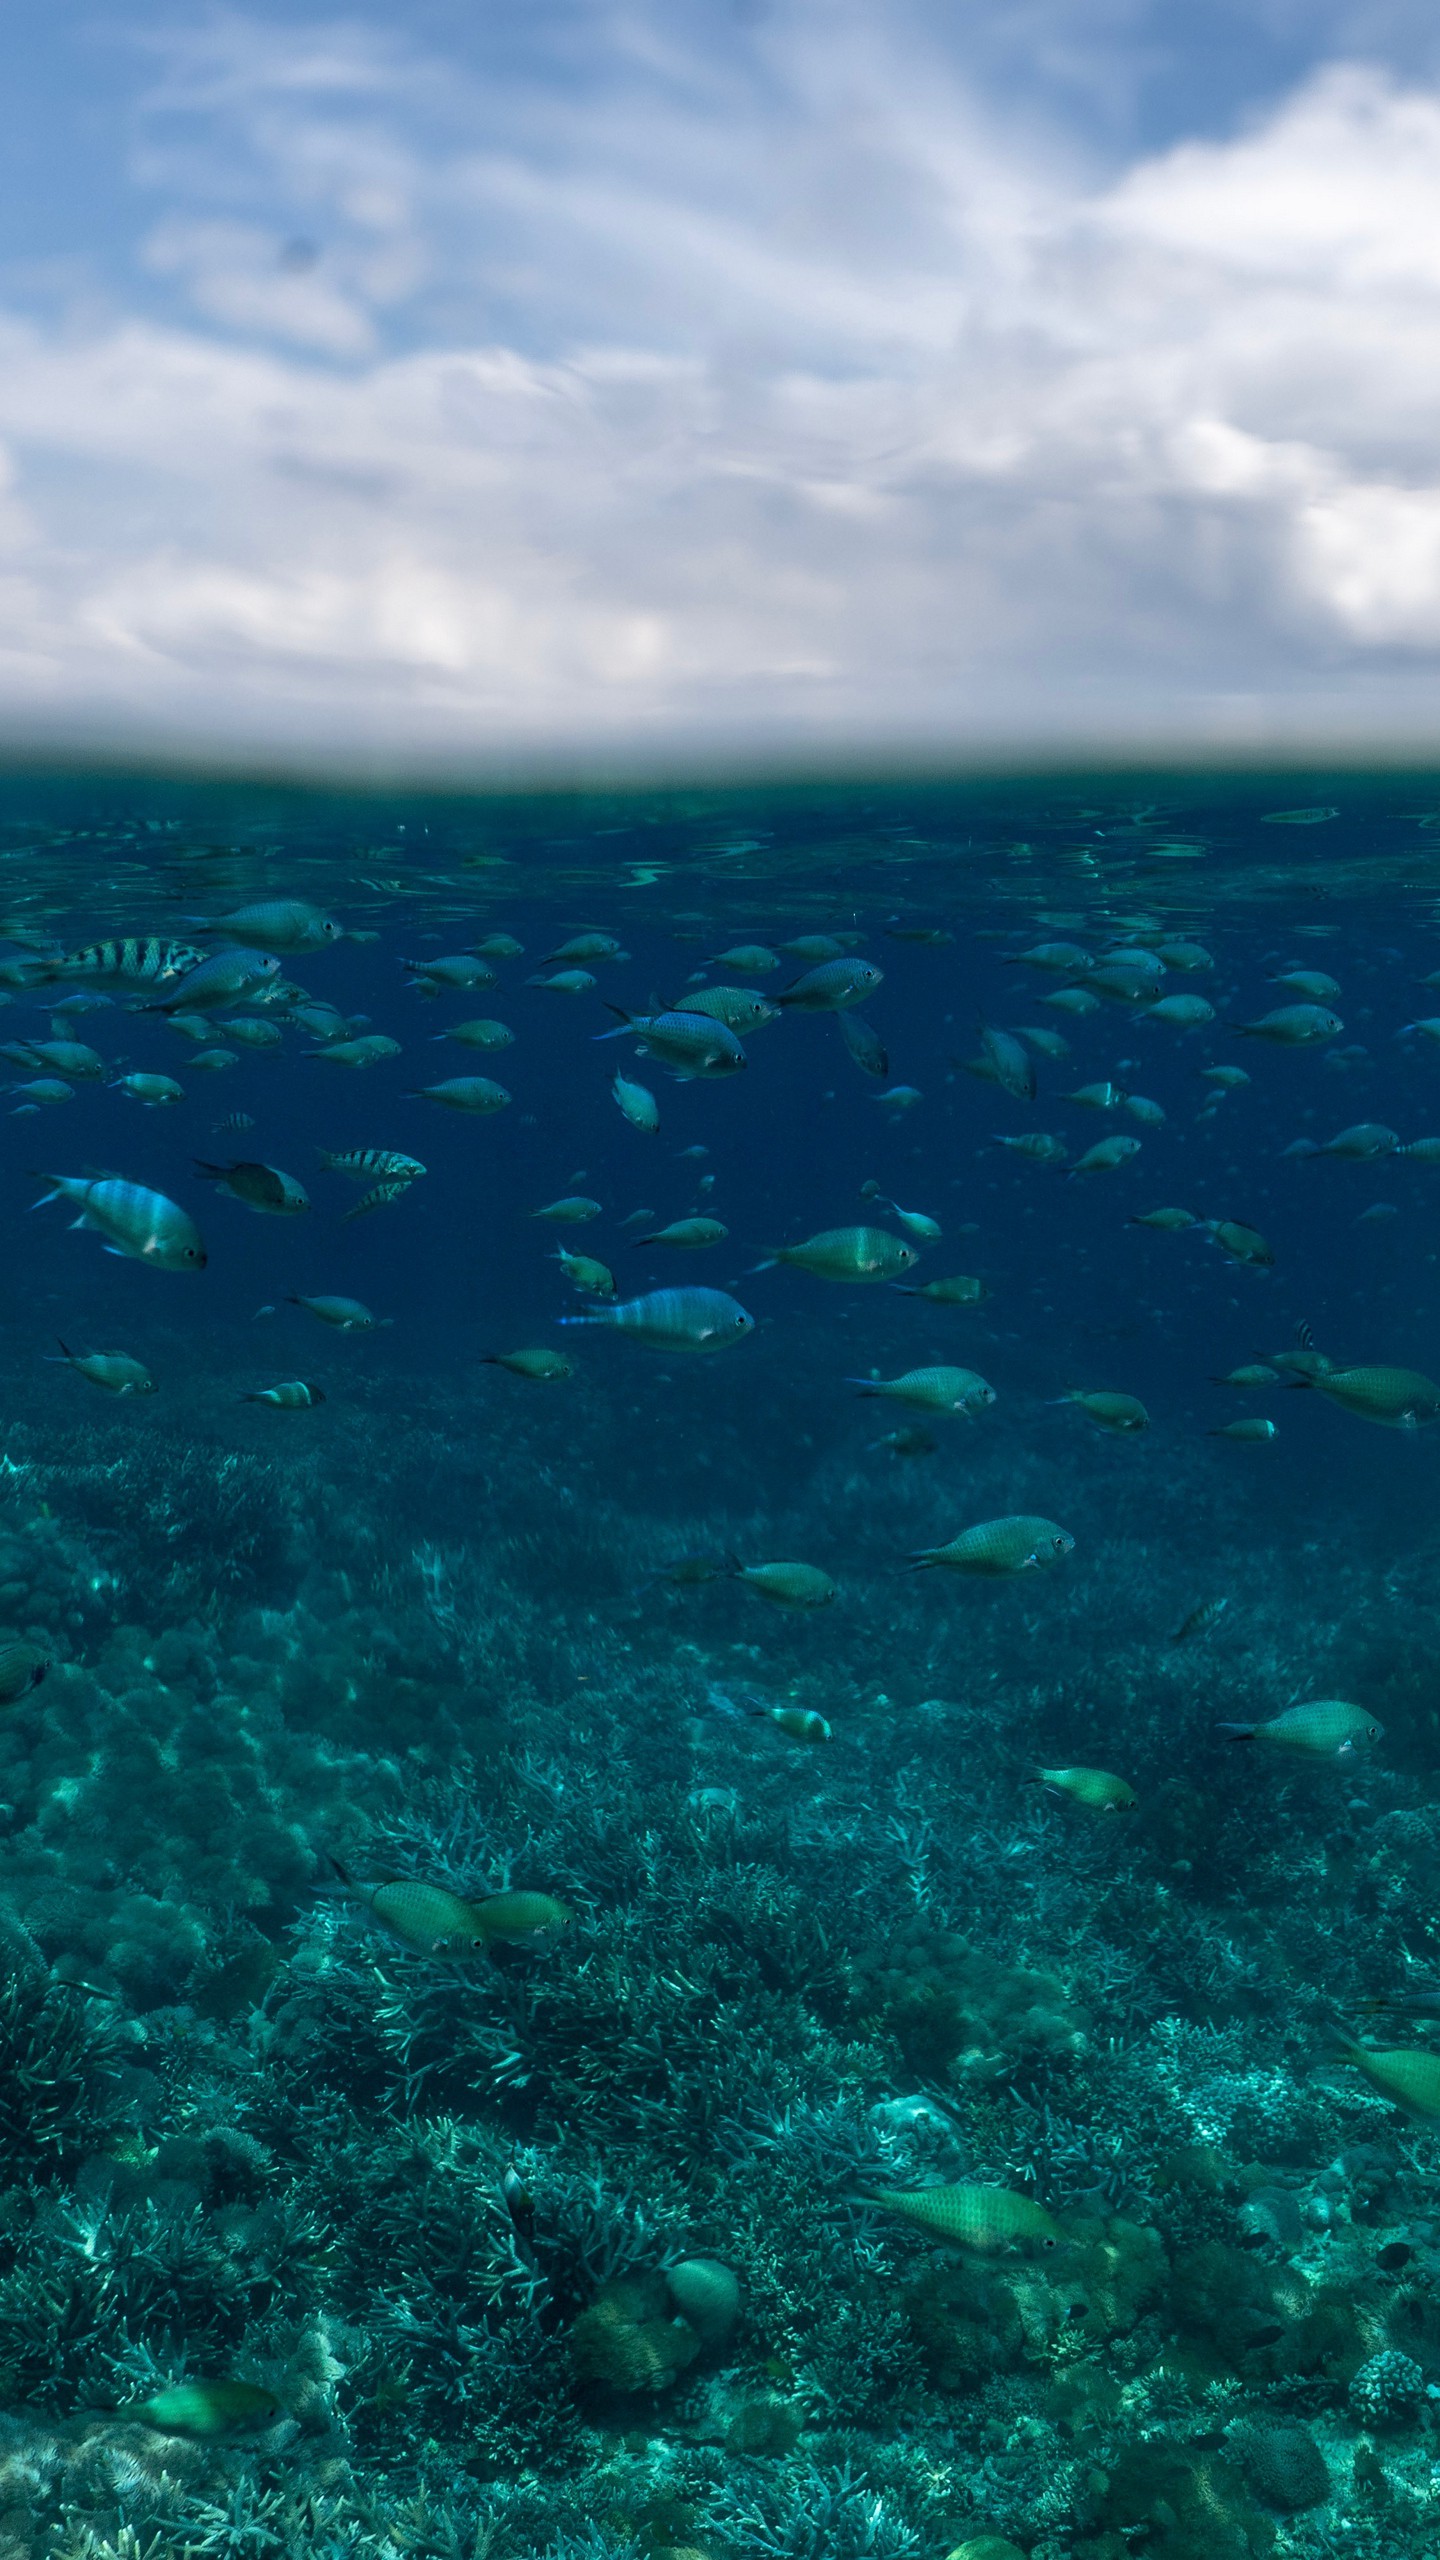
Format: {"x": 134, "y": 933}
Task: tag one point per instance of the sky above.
{"x": 470, "y": 389}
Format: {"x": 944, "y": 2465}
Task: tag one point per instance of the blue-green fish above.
{"x": 142, "y": 1225}
{"x": 367, "y": 1051}
{"x": 257, "y": 1186}
{"x": 478, "y": 1094}
{"x": 347, "y": 1315}
{"x": 833, "y": 984}
{"x": 689, "y": 1044}
{"x": 152, "y": 1091}
{"x": 275, "y": 924}
{"x": 460, "y": 970}
{"x": 225, "y": 978}
{"x": 676, "y": 1319}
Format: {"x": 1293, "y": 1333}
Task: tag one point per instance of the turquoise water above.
{"x": 519, "y": 1867}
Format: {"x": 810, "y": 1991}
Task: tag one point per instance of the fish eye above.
{"x": 1372, "y": 1732}
{"x": 1048, "y": 2242}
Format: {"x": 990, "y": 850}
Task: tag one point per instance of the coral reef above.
{"x": 567, "y": 2247}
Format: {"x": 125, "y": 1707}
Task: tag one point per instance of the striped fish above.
{"x": 382, "y": 1197}
{"x": 150, "y": 963}
{"x": 372, "y": 1164}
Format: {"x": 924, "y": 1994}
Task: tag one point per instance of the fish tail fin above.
{"x": 65, "y": 1351}
{"x": 864, "y": 1386}
{"x": 209, "y": 1172}
{"x": 920, "y": 1562}
{"x": 767, "y": 1265}
{"x": 1237, "y": 1732}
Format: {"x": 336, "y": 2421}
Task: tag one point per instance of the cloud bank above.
{"x": 648, "y": 398}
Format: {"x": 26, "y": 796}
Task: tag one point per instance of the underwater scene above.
{"x": 720, "y": 1670}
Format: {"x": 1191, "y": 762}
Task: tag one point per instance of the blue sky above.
{"x": 471, "y": 385}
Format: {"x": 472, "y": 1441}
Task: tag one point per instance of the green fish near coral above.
{"x": 116, "y": 1371}
{"x": 206, "y": 2411}
{"x": 432, "y": 1920}
{"x": 798, "y": 1724}
{"x": 985, "y": 2218}
{"x": 1325, "y": 1729}
{"x": 788, "y": 1586}
{"x": 1402, "y": 1399}
{"x": 1406, "y": 2074}
{"x": 293, "y": 1395}
{"x": 1016, "y": 1544}
{"x": 1097, "y": 1789}
{"x": 543, "y": 1368}
{"x": 518, "y": 1914}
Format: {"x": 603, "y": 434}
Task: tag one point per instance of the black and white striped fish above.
{"x": 372, "y": 1164}
{"x": 384, "y": 1195}
{"x": 150, "y": 963}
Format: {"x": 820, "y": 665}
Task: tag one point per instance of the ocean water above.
{"x": 854, "y": 2142}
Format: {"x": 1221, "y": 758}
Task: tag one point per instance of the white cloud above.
{"x": 766, "y": 401}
